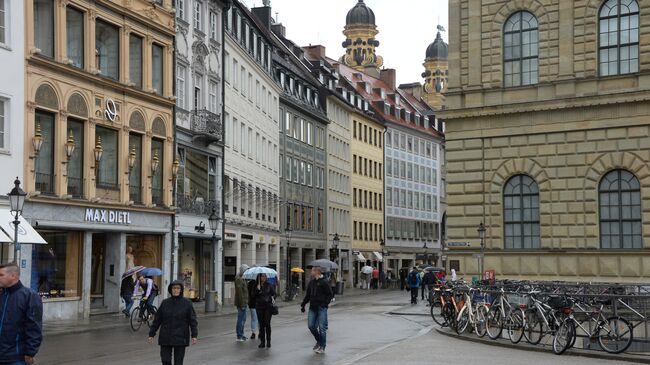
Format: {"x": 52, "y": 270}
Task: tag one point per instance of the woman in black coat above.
{"x": 177, "y": 322}
{"x": 264, "y": 295}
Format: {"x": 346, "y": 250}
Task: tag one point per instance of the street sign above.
{"x": 457, "y": 244}
{"x": 443, "y": 258}
{"x": 477, "y": 255}
{"x": 355, "y": 253}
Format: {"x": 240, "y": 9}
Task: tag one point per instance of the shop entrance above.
{"x": 196, "y": 267}
{"x": 98, "y": 263}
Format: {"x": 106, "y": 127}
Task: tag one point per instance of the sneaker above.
{"x": 243, "y": 338}
{"x": 316, "y": 347}
{"x": 253, "y": 336}
{"x": 239, "y": 339}
{"x": 320, "y": 350}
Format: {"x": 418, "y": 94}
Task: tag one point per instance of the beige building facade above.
{"x": 98, "y": 148}
{"x": 547, "y": 139}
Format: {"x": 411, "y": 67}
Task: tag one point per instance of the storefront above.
{"x": 79, "y": 271}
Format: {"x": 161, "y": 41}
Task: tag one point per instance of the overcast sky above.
{"x": 406, "y": 28}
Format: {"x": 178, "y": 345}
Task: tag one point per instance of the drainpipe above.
{"x": 224, "y": 15}
{"x": 174, "y": 146}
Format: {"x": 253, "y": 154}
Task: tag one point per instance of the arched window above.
{"x": 521, "y": 213}
{"x": 620, "y": 210}
{"x": 520, "y": 66}
{"x": 618, "y": 41}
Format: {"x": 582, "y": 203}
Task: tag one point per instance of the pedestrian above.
{"x": 251, "y": 307}
{"x": 126, "y": 292}
{"x": 22, "y": 319}
{"x": 149, "y": 293}
{"x": 382, "y": 279}
{"x": 264, "y": 302}
{"x": 402, "y": 278}
{"x": 333, "y": 285}
{"x": 318, "y": 295}
{"x": 428, "y": 282}
{"x": 453, "y": 275}
{"x": 375, "y": 278}
{"x": 414, "y": 283}
{"x": 421, "y": 283}
{"x": 241, "y": 302}
{"x": 177, "y": 322}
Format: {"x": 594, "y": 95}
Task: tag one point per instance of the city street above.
{"x": 362, "y": 331}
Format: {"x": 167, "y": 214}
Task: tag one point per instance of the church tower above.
{"x": 360, "y": 43}
{"x": 436, "y": 72}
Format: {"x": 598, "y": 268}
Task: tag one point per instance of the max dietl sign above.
{"x": 107, "y": 216}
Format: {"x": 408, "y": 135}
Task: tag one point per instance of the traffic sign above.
{"x": 457, "y": 244}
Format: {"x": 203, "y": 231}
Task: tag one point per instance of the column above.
{"x": 146, "y": 168}
{"x": 566, "y": 39}
{"x": 146, "y": 64}
{"x": 166, "y": 264}
{"x": 86, "y": 273}
{"x": 60, "y": 25}
{"x": 126, "y": 55}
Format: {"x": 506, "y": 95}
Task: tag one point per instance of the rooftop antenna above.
{"x": 266, "y": 2}
{"x": 277, "y": 17}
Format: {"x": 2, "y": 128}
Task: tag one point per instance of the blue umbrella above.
{"x": 251, "y": 274}
{"x": 151, "y": 271}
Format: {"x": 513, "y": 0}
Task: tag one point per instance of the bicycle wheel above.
{"x": 481, "y": 320}
{"x": 463, "y": 320}
{"x": 564, "y": 336}
{"x": 449, "y": 313}
{"x": 615, "y": 335}
{"x": 284, "y": 296}
{"x": 494, "y": 322}
{"x": 533, "y": 327}
{"x": 150, "y": 315}
{"x": 437, "y": 314}
{"x": 515, "y": 325}
{"x": 136, "y": 321}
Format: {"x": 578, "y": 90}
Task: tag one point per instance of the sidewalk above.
{"x": 117, "y": 320}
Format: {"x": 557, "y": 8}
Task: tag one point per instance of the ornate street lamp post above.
{"x": 16, "y": 203}
{"x": 287, "y": 232}
{"x": 481, "y": 234}
{"x": 426, "y": 253}
{"x": 213, "y": 221}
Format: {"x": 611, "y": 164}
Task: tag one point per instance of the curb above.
{"x": 526, "y": 347}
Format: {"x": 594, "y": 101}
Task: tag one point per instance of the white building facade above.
{"x": 251, "y": 147}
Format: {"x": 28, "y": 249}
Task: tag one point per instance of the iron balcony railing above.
{"x": 45, "y": 183}
{"x": 206, "y": 124}
{"x": 196, "y": 206}
{"x": 75, "y": 187}
{"x": 135, "y": 194}
{"x": 157, "y": 196}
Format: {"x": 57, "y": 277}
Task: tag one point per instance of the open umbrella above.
{"x": 132, "y": 271}
{"x": 434, "y": 269}
{"x": 151, "y": 271}
{"x": 367, "y": 269}
{"x": 251, "y": 274}
{"x": 324, "y": 264}
{"x": 424, "y": 266}
{"x": 298, "y": 270}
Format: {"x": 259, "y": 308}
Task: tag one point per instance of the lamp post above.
{"x": 16, "y": 203}
{"x": 335, "y": 245}
{"x": 382, "y": 244}
{"x": 426, "y": 253}
{"x": 481, "y": 234}
{"x": 287, "y": 233}
{"x": 213, "y": 221}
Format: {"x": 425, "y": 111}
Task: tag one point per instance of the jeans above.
{"x": 414, "y": 295}
{"x": 149, "y": 303}
{"x": 128, "y": 302}
{"x": 317, "y": 323}
{"x": 264, "y": 317}
{"x": 241, "y": 321}
{"x": 254, "y": 324}
{"x": 423, "y": 290}
{"x": 166, "y": 354}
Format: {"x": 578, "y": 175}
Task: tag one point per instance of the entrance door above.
{"x": 98, "y": 264}
{"x": 207, "y": 266}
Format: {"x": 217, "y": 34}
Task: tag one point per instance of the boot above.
{"x": 268, "y": 338}
{"x": 262, "y": 340}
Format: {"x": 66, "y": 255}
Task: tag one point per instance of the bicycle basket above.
{"x": 518, "y": 300}
{"x": 559, "y": 302}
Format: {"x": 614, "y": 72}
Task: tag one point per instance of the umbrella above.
{"x": 424, "y": 266}
{"x": 151, "y": 271}
{"x": 298, "y": 270}
{"x": 251, "y": 274}
{"x": 367, "y": 269}
{"x": 324, "y": 264}
{"x": 132, "y": 271}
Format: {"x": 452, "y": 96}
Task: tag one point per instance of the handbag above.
{"x": 274, "y": 308}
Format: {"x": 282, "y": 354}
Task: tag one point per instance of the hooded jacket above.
{"x": 176, "y": 319}
{"x": 21, "y": 323}
{"x": 318, "y": 294}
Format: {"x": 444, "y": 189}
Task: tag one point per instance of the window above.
{"x": 620, "y": 211}
{"x": 213, "y": 91}
{"x": 618, "y": 41}
{"x": 3, "y": 126}
{"x": 309, "y": 174}
{"x": 197, "y": 14}
{"x": 57, "y": 265}
{"x": 180, "y": 8}
{"x": 107, "y": 49}
{"x": 198, "y": 85}
{"x": 75, "y": 163}
{"x": 157, "y": 178}
{"x": 75, "y": 36}
{"x": 45, "y": 159}
{"x": 520, "y": 50}
{"x": 135, "y": 60}
{"x": 107, "y": 174}
{"x": 44, "y": 27}
{"x": 354, "y": 128}
{"x": 157, "y": 68}
{"x": 181, "y": 76}
{"x": 3, "y": 22}
{"x": 135, "y": 175}
{"x": 521, "y": 213}
{"x": 214, "y": 26}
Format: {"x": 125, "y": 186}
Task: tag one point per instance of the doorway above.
{"x": 196, "y": 267}
{"x": 98, "y": 266}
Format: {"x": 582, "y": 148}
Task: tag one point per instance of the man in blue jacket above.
{"x": 413, "y": 282}
{"x": 21, "y": 319}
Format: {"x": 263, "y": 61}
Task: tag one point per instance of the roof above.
{"x": 360, "y": 14}
{"x": 438, "y": 49}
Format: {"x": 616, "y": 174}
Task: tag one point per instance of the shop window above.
{"x": 45, "y": 158}
{"x": 147, "y": 251}
{"x": 620, "y": 211}
{"x": 107, "y": 49}
{"x": 75, "y": 36}
{"x": 44, "y": 27}
{"x": 56, "y": 267}
{"x": 107, "y": 174}
{"x": 75, "y": 163}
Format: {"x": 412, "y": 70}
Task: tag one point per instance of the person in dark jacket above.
{"x": 126, "y": 292}
{"x": 177, "y": 322}
{"x": 22, "y": 319}
{"x": 264, "y": 294}
{"x": 402, "y": 278}
{"x": 413, "y": 281}
{"x": 251, "y": 307}
{"x": 318, "y": 295}
{"x": 428, "y": 280}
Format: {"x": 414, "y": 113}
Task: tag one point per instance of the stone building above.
{"x": 548, "y": 138}
{"x": 98, "y": 148}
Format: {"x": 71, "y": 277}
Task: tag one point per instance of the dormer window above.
{"x": 292, "y": 84}
{"x": 382, "y": 93}
{"x": 368, "y": 91}
{"x": 365, "y": 105}
{"x": 282, "y": 82}
{"x": 408, "y": 116}
{"x": 397, "y": 99}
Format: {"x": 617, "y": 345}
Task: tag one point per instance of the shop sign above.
{"x": 107, "y": 216}
{"x": 111, "y": 110}
{"x": 457, "y": 244}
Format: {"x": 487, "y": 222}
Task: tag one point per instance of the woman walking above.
{"x": 264, "y": 295}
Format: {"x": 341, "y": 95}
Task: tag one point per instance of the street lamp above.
{"x": 213, "y": 222}
{"x": 287, "y": 233}
{"x": 70, "y": 146}
{"x": 382, "y": 244}
{"x": 98, "y": 151}
{"x": 16, "y": 203}
{"x": 426, "y": 254}
{"x": 132, "y": 158}
{"x": 481, "y": 234}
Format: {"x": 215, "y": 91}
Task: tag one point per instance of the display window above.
{"x": 146, "y": 250}
{"x": 56, "y": 267}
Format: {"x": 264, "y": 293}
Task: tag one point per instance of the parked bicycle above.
{"x": 291, "y": 293}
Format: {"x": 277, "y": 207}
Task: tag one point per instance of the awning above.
{"x": 27, "y": 235}
{"x": 378, "y": 256}
{"x": 360, "y": 257}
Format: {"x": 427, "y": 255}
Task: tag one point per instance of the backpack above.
{"x": 413, "y": 280}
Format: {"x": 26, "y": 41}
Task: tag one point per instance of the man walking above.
{"x": 21, "y": 323}
{"x": 241, "y": 302}
{"x": 126, "y": 292}
{"x": 177, "y": 322}
{"x": 402, "y": 278}
{"x": 319, "y": 295}
{"x": 414, "y": 283}
{"x": 428, "y": 281}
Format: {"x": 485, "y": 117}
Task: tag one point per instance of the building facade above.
{"x": 547, "y": 138}
{"x": 98, "y": 148}
{"x": 252, "y": 157}
{"x": 199, "y": 144}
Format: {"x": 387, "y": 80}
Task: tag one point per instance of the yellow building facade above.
{"x": 548, "y": 139}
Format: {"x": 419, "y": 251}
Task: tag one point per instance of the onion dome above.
{"x": 360, "y": 14}
{"x": 438, "y": 49}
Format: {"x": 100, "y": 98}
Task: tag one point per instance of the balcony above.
{"x": 196, "y": 206}
{"x": 206, "y": 126}
{"x": 135, "y": 194}
{"x": 45, "y": 183}
{"x": 75, "y": 187}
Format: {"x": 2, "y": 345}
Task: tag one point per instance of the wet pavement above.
{"x": 362, "y": 330}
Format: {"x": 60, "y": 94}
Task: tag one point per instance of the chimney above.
{"x": 263, "y": 13}
{"x": 279, "y": 29}
{"x": 316, "y": 52}
{"x": 387, "y": 75}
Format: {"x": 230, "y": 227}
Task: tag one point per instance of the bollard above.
{"x": 210, "y": 301}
